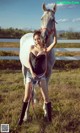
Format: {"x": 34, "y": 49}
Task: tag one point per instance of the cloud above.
{"x": 50, "y": 6}
{"x": 69, "y": 20}
{"x": 63, "y": 20}
{"x": 76, "y": 20}
{"x": 60, "y": 5}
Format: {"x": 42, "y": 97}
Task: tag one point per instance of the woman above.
{"x": 36, "y": 71}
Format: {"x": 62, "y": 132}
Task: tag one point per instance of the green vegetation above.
{"x": 12, "y": 33}
{"x": 69, "y": 35}
{"x": 64, "y": 92}
{"x": 17, "y": 33}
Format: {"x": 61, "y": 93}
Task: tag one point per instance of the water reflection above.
{"x": 9, "y": 58}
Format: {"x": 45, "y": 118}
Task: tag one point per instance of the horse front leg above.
{"x": 48, "y": 74}
{"x": 26, "y": 116}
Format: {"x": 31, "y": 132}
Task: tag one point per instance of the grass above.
{"x": 64, "y": 93}
{"x": 67, "y": 54}
{"x": 10, "y": 44}
{"x": 59, "y": 45}
{"x": 15, "y": 53}
{"x": 68, "y": 45}
{"x": 5, "y": 53}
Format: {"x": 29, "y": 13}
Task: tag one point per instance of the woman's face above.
{"x": 37, "y": 39}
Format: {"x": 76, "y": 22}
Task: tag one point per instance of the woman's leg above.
{"x": 28, "y": 87}
{"x": 25, "y": 101}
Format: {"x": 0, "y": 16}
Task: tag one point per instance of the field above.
{"x": 64, "y": 93}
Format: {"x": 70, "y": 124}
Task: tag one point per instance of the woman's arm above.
{"x": 52, "y": 44}
{"x": 30, "y": 67}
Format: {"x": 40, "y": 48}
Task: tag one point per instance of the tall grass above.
{"x": 64, "y": 93}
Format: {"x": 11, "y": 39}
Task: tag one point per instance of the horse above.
{"x": 47, "y": 34}
{"x": 48, "y": 29}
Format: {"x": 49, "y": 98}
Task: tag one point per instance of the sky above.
{"x": 26, "y": 14}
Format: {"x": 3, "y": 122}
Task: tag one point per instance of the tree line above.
{"x": 69, "y": 35}
{"x": 17, "y": 33}
{"x": 13, "y": 33}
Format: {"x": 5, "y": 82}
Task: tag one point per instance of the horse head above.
{"x": 48, "y": 23}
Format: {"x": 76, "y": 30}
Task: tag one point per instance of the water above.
{"x": 55, "y": 49}
{"x": 59, "y": 40}
{"x": 9, "y": 49}
{"x": 9, "y": 58}
{"x": 57, "y": 58}
{"x": 68, "y": 41}
{"x": 9, "y": 40}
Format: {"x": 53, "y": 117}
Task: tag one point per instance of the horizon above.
{"x": 26, "y": 14}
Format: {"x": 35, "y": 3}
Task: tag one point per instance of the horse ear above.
{"x": 54, "y": 8}
{"x": 44, "y": 7}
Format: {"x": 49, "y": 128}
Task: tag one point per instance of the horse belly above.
{"x": 25, "y": 43}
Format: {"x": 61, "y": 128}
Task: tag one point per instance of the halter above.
{"x": 49, "y": 31}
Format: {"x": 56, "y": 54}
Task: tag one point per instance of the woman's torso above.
{"x": 38, "y": 60}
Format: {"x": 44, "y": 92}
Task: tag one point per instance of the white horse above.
{"x": 47, "y": 32}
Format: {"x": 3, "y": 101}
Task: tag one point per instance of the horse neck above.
{"x": 50, "y": 40}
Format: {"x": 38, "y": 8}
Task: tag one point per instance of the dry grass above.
{"x": 10, "y": 44}
{"x": 5, "y": 53}
{"x": 68, "y": 45}
{"x": 64, "y": 93}
{"x": 59, "y": 45}
{"x": 67, "y": 54}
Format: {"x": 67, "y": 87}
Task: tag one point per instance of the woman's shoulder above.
{"x": 32, "y": 47}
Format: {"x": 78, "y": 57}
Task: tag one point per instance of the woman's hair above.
{"x": 37, "y": 32}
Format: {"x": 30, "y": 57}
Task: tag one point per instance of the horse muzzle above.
{"x": 44, "y": 37}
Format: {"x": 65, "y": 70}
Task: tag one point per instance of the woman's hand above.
{"x": 33, "y": 75}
